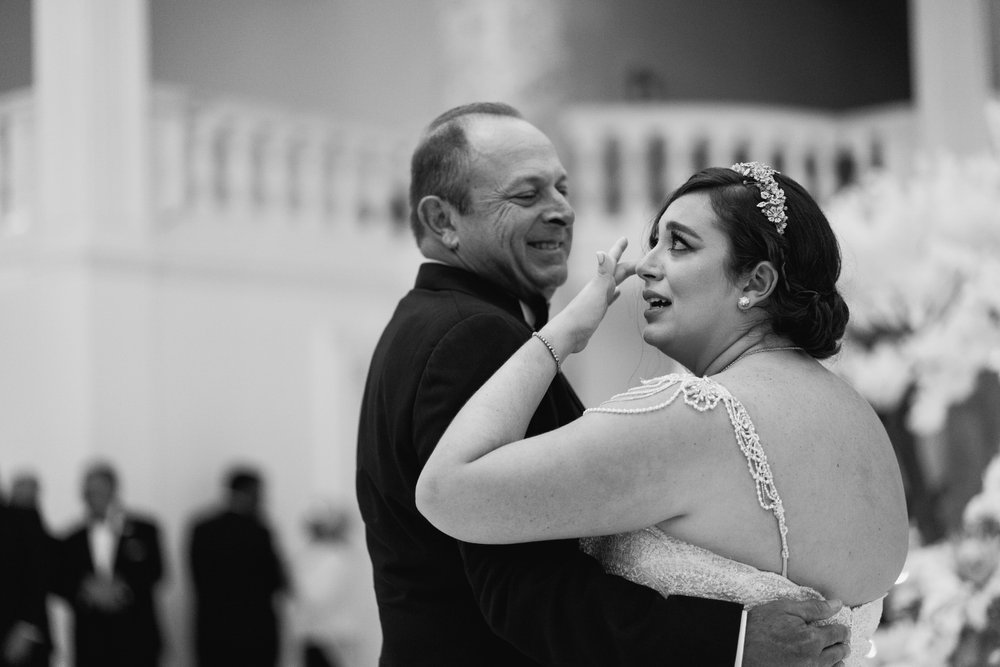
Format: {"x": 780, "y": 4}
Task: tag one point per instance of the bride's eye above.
{"x": 677, "y": 242}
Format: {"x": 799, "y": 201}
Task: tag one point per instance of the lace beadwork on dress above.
{"x": 702, "y": 393}
{"x": 674, "y": 567}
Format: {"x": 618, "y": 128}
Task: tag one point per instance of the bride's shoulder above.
{"x": 700, "y": 393}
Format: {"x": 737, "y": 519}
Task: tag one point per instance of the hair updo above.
{"x": 805, "y": 305}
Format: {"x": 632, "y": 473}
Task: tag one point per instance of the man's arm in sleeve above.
{"x": 556, "y": 604}
{"x": 548, "y": 599}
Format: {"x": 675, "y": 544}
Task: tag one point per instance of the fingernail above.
{"x": 600, "y": 258}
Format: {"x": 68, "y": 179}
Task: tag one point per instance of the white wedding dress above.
{"x": 671, "y": 566}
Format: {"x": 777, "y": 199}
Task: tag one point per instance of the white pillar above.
{"x": 950, "y": 73}
{"x": 91, "y": 94}
{"x": 510, "y": 51}
{"x": 91, "y": 83}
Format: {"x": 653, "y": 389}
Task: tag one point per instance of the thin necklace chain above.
{"x": 758, "y": 350}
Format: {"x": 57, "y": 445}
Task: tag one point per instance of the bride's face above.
{"x": 691, "y": 310}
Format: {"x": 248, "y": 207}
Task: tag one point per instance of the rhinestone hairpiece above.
{"x": 773, "y": 205}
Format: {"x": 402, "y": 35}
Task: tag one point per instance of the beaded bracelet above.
{"x": 552, "y": 350}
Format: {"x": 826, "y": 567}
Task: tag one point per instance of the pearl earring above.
{"x": 743, "y": 303}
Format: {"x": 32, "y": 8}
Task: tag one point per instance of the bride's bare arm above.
{"x": 598, "y": 475}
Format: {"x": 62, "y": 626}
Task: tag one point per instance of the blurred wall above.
{"x": 15, "y": 44}
{"x": 811, "y": 53}
{"x": 371, "y": 60}
{"x": 383, "y": 60}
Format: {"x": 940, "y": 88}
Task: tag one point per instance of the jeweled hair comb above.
{"x": 773, "y": 205}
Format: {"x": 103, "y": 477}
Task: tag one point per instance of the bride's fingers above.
{"x": 605, "y": 265}
{"x": 623, "y": 270}
{"x": 614, "y": 267}
{"x": 618, "y": 249}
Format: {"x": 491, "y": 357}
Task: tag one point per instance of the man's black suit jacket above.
{"x": 130, "y": 637}
{"x": 442, "y": 602}
{"x": 23, "y": 583}
{"x": 236, "y": 573}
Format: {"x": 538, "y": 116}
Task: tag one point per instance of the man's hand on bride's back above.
{"x": 785, "y": 633}
{"x": 581, "y": 317}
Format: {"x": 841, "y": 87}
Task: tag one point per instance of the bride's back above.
{"x": 834, "y": 470}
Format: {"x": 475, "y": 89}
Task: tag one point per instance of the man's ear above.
{"x": 761, "y": 282}
{"x": 436, "y": 215}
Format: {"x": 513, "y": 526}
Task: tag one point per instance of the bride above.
{"x": 759, "y": 475}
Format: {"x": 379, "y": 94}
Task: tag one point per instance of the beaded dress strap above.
{"x": 702, "y": 394}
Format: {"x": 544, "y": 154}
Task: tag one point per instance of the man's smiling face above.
{"x": 519, "y": 231}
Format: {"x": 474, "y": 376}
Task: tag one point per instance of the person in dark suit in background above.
{"x": 23, "y": 617}
{"x": 237, "y": 575}
{"x": 25, "y": 503}
{"x": 108, "y": 569}
{"x": 489, "y": 210}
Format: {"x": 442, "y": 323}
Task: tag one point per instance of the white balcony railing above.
{"x": 217, "y": 159}
{"x": 17, "y": 133}
{"x": 625, "y": 158}
{"x": 243, "y": 166}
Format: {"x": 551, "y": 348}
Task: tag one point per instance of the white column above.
{"x": 94, "y": 319}
{"x": 950, "y": 63}
{"x": 510, "y": 51}
{"x": 91, "y": 81}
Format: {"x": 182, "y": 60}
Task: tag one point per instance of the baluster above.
{"x": 202, "y": 170}
{"x": 171, "y": 127}
{"x": 221, "y": 167}
{"x": 656, "y": 162}
{"x": 21, "y": 181}
{"x": 399, "y": 194}
{"x": 826, "y": 173}
{"x": 4, "y": 169}
{"x": 312, "y": 139}
{"x": 633, "y": 146}
{"x": 345, "y": 180}
{"x": 679, "y": 165}
{"x": 330, "y": 158}
{"x": 294, "y": 157}
{"x": 239, "y": 161}
{"x": 375, "y": 183}
{"x": 587, "y": 183}
{"x": 274, "y": 171}
{"x": 795, "y": 159}
{"x": 611, "y": 167}
{"x": 364, "y": 209}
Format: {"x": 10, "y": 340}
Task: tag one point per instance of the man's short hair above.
{"x": 442, "y": 158}
{"x": 242, "y": 478}
{"x": 105, "y": 471}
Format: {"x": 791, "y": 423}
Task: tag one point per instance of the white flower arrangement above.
{"x": 921, "y": 275}
{"x": 945, "y": 608}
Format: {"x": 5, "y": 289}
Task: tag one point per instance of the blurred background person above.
{"x": 25, "y": 501}
{"x": 108, "y": 569}
{"x": 325, "y": 573}
{"x": 237, "y": 576}
{"x": 23, "y": 617}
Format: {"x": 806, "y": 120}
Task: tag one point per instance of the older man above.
{"x": 489, "y": 211}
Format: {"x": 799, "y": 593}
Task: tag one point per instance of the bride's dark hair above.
{"x": 805, "y": 305}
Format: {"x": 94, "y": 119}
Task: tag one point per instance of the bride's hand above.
{"x": 580, "y": 318}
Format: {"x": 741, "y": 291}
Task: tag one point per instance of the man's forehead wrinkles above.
{"x": 536, "y": 174}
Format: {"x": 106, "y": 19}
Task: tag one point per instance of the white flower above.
{"x": 920, "y": 274}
